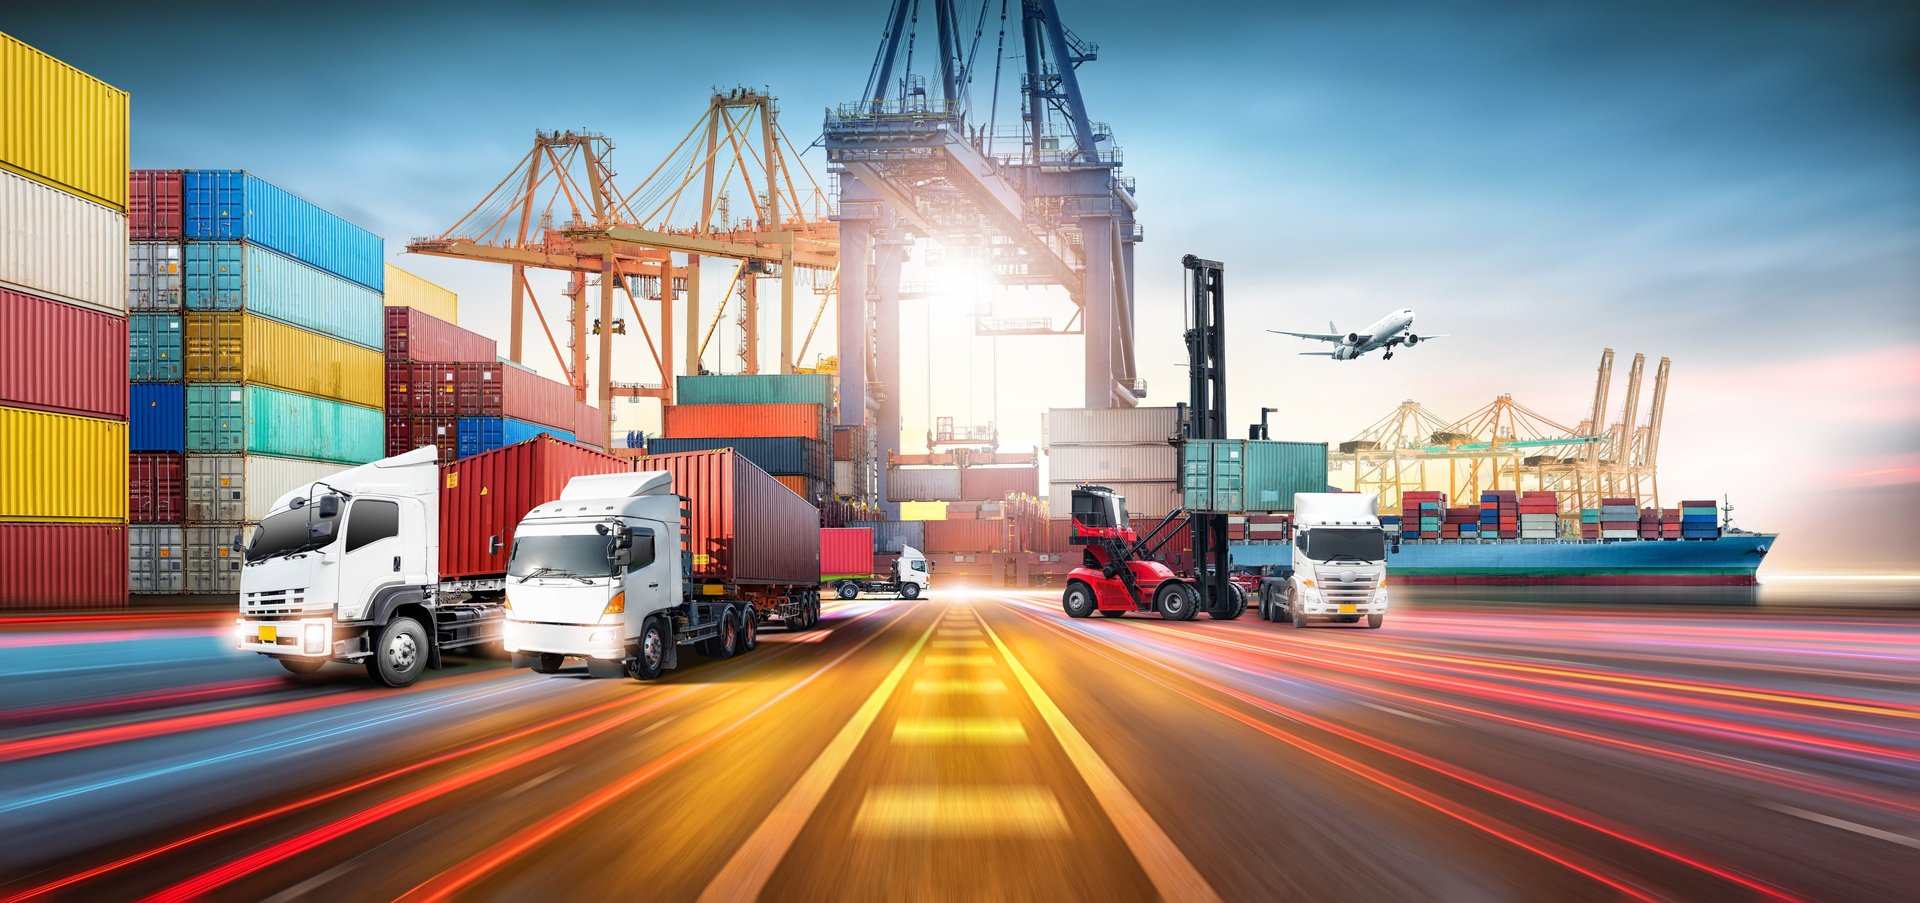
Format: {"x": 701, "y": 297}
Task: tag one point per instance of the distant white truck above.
{"x": 1338, "y": 565}
{"x": 908, "y": 579}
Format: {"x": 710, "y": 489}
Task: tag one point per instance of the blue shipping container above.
{"x": 156, "y": 417}
{"x": 228, "y": 205}
{"x": 235, "y": 276}
{"x": 484, "y": 434}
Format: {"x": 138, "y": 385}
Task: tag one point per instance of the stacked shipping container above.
{"x": 63, "y": 335}
{"x": 780, "y": 422}
{"x": 446, "y": 387}
{"x": 255, "y": 359}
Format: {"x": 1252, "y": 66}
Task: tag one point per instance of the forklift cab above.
{"x": 1098, "y": 513}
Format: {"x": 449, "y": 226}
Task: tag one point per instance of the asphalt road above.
{"x": 986, "y": 746}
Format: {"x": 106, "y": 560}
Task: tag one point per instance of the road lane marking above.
{"x": 959, "y": 644}
{"x": 987, "y": 686}
{"x": 958, "y": 631}
{"x": 1404, "y": 714}
{"x": 1844, "y": 825}
{"x": 959, "y": 660}
{"x": 936, "y": 810}
{"x": 980, "y": 731}
{"x": 745, "y": 874}
{"x": 1172, "y": 875}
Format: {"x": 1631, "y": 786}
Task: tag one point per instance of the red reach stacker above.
{"x": 1118, "y": 572}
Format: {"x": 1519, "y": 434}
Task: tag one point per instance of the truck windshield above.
{"x": 576, "y": 555}
{"x": 279, "y": 534}
{"x": 1334, "y": 543}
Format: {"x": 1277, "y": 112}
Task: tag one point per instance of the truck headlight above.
{"x": 315, "y": 639}
{"x": 239, "y": 632}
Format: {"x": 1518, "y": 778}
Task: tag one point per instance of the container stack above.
{"x": 1499, "y": 514}
{"x": 1460, "y": 523}
{"x": 1421, "y": 514}
{"x": 1539, "y": 515}
{"x": 855, "y": 475}
{"x": 1589, "y": 523}
{"x": 255, "y": 363}
{"x": 1699, "y": 519}
{"x": 1619, "y": 518}
{"x": 780, "y": 422}
{"x": 63, "y": 335}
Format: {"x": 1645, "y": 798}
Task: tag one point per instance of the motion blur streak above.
{"x": 140, "y": 701}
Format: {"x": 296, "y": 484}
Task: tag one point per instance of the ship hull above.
{"x": 1730, "y": 560}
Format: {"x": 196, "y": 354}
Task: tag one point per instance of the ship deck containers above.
{"x": 234, "y": 276}
{"x": 404, "y": 289}
{"x": 846, "y": 552}
{"x": 485, "y": 496}
{"x": 156, "y": 488}
{"x": 237, "y": 347}
{"x": 745, "y": 527}
{"x": 155, "y": 348}
{"x": 155, "y": 276}
{"x": 233, "y": 205}
{"x": 225, "y": 418}
{"x": 61, "y": 358}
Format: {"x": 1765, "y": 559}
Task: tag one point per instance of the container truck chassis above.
{"x": 404, "y": 624}
{"x": 719, "y": 623}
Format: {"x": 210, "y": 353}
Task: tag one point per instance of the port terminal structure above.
{"x": 1507, "y": 445}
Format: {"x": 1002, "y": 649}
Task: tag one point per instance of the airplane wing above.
{"x": 1401, "y": 339}
{"x": 1316, "y": 336}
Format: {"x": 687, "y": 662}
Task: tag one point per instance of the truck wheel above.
{"x": 847, "y": 590}
{"x": 303, "y": 666}
{"x": 650, "y": 652}
{"x": 549, "y": 663}
{"x": 1176, "y": 601}
{"x": 813, "y": 613}
{"x": 399, "y": 653}
{"x": 749, "y": 629}
{"x": 1299, "y": 615}
{"x": 1078, "y": 600}
{"x": 1236, "y": 604}
{"x": 909, "y": 591}
{"x": 727, "y": 641}
{"x": 1374, "y": 621}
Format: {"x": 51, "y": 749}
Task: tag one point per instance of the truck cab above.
{"x": 343, "y": 569}
{"x": 909, "y": 578}
{"x": 1338, "y": 563}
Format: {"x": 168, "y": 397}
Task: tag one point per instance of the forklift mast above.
{"x": 1206, "y": 418}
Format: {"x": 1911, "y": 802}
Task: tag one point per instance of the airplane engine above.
{"x": 1412, "y": 340}
{"x": 1353, "y": 338}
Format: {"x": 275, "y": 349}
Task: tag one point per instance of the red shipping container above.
{"x": 728, "y": 421}
{"x": 964, "y": 536}
{"x": 849, "y": 442}
{"x": 746, "y": 528}
{"x": 416, "y": 336}
{"x": 442, "y": 433}
{"x": 987, "y": 484}
{"x": 529, "y": 396}
{"x": 156, "y": 488}
{"x": 477, "y": 390}
{"x": 61, "y": 358}
{"x": 153, "y": 204}
{"x": 399, "y": 388}
{"x": 37, "y": 566}
{"x": 846, "y": 552}
{"x": 589, "y": 426}
{"x": 434, "y": 390}
{"x": 486, "y": 496}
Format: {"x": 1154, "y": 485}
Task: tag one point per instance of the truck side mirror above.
{"x": 1396, "y": 545}
{"x": 238, "y": 544}
{"x": 493, "y": 544}
{"x": 319, "y": 530}
{"x": 329, "y": 506}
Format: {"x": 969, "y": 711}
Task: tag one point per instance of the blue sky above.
{"x": 1731, "y": 184}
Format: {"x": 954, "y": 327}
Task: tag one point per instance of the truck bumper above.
{"x": 604, "y": 641}
{"x": 303, "y": 637}
{"x": 1324, "y": 608}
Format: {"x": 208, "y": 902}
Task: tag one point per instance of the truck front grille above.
{"x": 1358, "y": 591}
{"x": 281, "y": 602}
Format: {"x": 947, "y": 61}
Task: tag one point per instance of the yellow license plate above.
{"x": 1348, "y": 609}
{"x": 269, "y": 634}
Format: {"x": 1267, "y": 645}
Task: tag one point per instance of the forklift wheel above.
{"x": 1177, "y": 601}
{"x": 1078, "y": 600}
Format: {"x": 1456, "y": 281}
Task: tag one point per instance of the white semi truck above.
{"x": 908, "y": 578}
{"x": 1337, "y": 568}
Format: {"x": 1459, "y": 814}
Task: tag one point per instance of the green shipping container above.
{"x": 230, "y": 419}
{"x": 1277, "y": 470}
{"x": 1213, "y": 475}
{"x": 154, "y": 349}
{"x": 232, "y": 275}
{"x": 762, "y": 388}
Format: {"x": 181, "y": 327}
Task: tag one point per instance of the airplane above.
{"x": 1388, "y": 332}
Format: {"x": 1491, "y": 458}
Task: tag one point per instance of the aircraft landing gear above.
{"x": 1387, "y": 357}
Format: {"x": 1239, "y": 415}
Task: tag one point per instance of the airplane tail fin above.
{"x": 1332, "y": 329}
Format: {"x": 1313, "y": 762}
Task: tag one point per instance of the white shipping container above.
{"x": 213, "y": 567}
{"x": 153, "y": 275}
{"x": 55, "y": 244}
{"x": 156, "y": 559}
{"x": 923, "y": 484}
{"x": 231, "y": 489}
{"x": 1123, "y": 463}
{"x": 1108, "y": 426}
{"x": 1143, "y": 499}
{"x": 844, "y": 483}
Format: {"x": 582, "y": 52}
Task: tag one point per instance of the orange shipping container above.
{"x": 728, "y": 421}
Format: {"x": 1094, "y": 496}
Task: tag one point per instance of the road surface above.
{"x": 984, "y": 745}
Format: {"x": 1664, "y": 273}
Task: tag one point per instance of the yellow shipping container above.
{"x": 61, "y": 126}
{"x": 57, "y": 468}
{"x": 923, "y": 510}
{"x": 404, "y": 289}
{"x": 243, "y": 348}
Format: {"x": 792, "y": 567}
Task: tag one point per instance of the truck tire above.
{"x": 1236, "y": 606}
{"x": 1299, "y": 615}
{"x": 399, "y": 653}
{"x": 549, "y": 663}
{"x": 725, "y": 643}
{"x": 1374, "y": 621}
{"x": 1078, "y": 600}
{"x": 847, "y": 589}
{"x": 1176, "y": 600}
{"x": 650, "y": 651}
{"x": 749, "y": 628}
{"x": 813, "y": 613}
{"x": 909, "y": 591}
{"x": 303, "y": 666}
